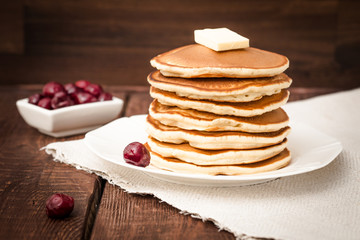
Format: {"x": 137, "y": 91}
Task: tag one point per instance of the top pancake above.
{"x": 197, "y": 61}
{"x": 221, "y": 89}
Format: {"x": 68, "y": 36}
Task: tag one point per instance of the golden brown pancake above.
{"x": 199, "y": 61}
{"x": 242, "y": 109}
{"x": 221, "y": 89}
{"x": 213, "y": 140}
{"x": 185, "y": 152}
{"x": 175, "y": 165}
{"x": 204, "y": 121}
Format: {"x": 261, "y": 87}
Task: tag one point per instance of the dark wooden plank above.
{"x": 348, "y": 41}
{"x": 304, "y": 93}
{"x": 112, "y": 42}
{"x": 128, "y": 216}
{"x": 11, "y": 27}
{"x": 139, "y": 25}
{"x": 348, "y": 32}
{"x": 124, "y": 68}
{"x": 138, "y": 103}
{"x": 28, "y": 177}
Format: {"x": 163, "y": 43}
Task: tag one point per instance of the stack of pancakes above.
{"x": 218, "y": 113}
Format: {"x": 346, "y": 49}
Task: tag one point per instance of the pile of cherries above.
{"x": 55, "y": 95}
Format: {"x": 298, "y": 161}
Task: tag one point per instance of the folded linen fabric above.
{"x": 322, "y": 204}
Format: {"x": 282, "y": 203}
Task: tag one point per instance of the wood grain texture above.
{"x": 112, "y": 41}
{"x": 138, "y": 103}
{"x": 297, "y": 94}
{"x": 102, "y": 211}
{"x": 11, "y": 27}
{"x": 128, "y": 216}
{"x": 29, "y": 177}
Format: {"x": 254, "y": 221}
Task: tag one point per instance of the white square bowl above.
{"x": 70, "y": 120}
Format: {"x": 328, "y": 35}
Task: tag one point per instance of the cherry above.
{"x": 59, "y": 205}
{"x": 34, "y": 99}
{"x": 105, "y": 96}
{"x": 51, "y": 88}
{"x": 61, "y": 99}
{"x": 83, "y": 97}
{"x": 45, "y": 103}
{"x": 71, "y": 88}
{"x": 93, "y": 89}
{"x": 82, "y": 84}
{"x": 136, "y": 153}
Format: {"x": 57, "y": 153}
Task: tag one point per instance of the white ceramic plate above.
{"x": 310, "y": 150}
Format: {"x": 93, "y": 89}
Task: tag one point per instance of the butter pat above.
{"x": 220, "y": 39}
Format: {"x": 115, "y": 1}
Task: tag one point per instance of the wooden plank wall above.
{"x": 111, "y": 42}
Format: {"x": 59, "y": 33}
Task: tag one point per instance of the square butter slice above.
{"x": 220, "y": 39}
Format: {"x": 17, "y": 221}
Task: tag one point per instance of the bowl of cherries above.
{"x": 69, "y": 109}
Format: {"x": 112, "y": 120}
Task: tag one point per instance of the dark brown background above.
{"x": 67, "y": 40}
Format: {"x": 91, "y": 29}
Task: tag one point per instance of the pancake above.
{"x": 189, "y": 154}
{"x": 221, "y": 89}
{"x": 193, "y": 61}
{"x": 203, "y": 121}
{"x": 242, "y": 109}
{"x": 213, "y": 140}
{"x": 174, "y": 165}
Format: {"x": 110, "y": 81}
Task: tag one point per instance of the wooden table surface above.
{"x": 28, "y": 177}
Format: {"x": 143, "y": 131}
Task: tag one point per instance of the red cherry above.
{"x": 136, "y": 153}
{"x": 45, "y": 103}
{"x": 83, "y": 97}
{"x": 34, "y": 99}
{"x": 61, "y": 99}
{"x": 93, "y": 89}
{"x": 82, "y": 84}
{"x": 51, "y": 88}
{"x": 71, "y": 88}
{"x": 59, "y": 205}
{"x": 105, "y": 96}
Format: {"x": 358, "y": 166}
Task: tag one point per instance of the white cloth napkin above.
{"x": 323, "y": 204}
